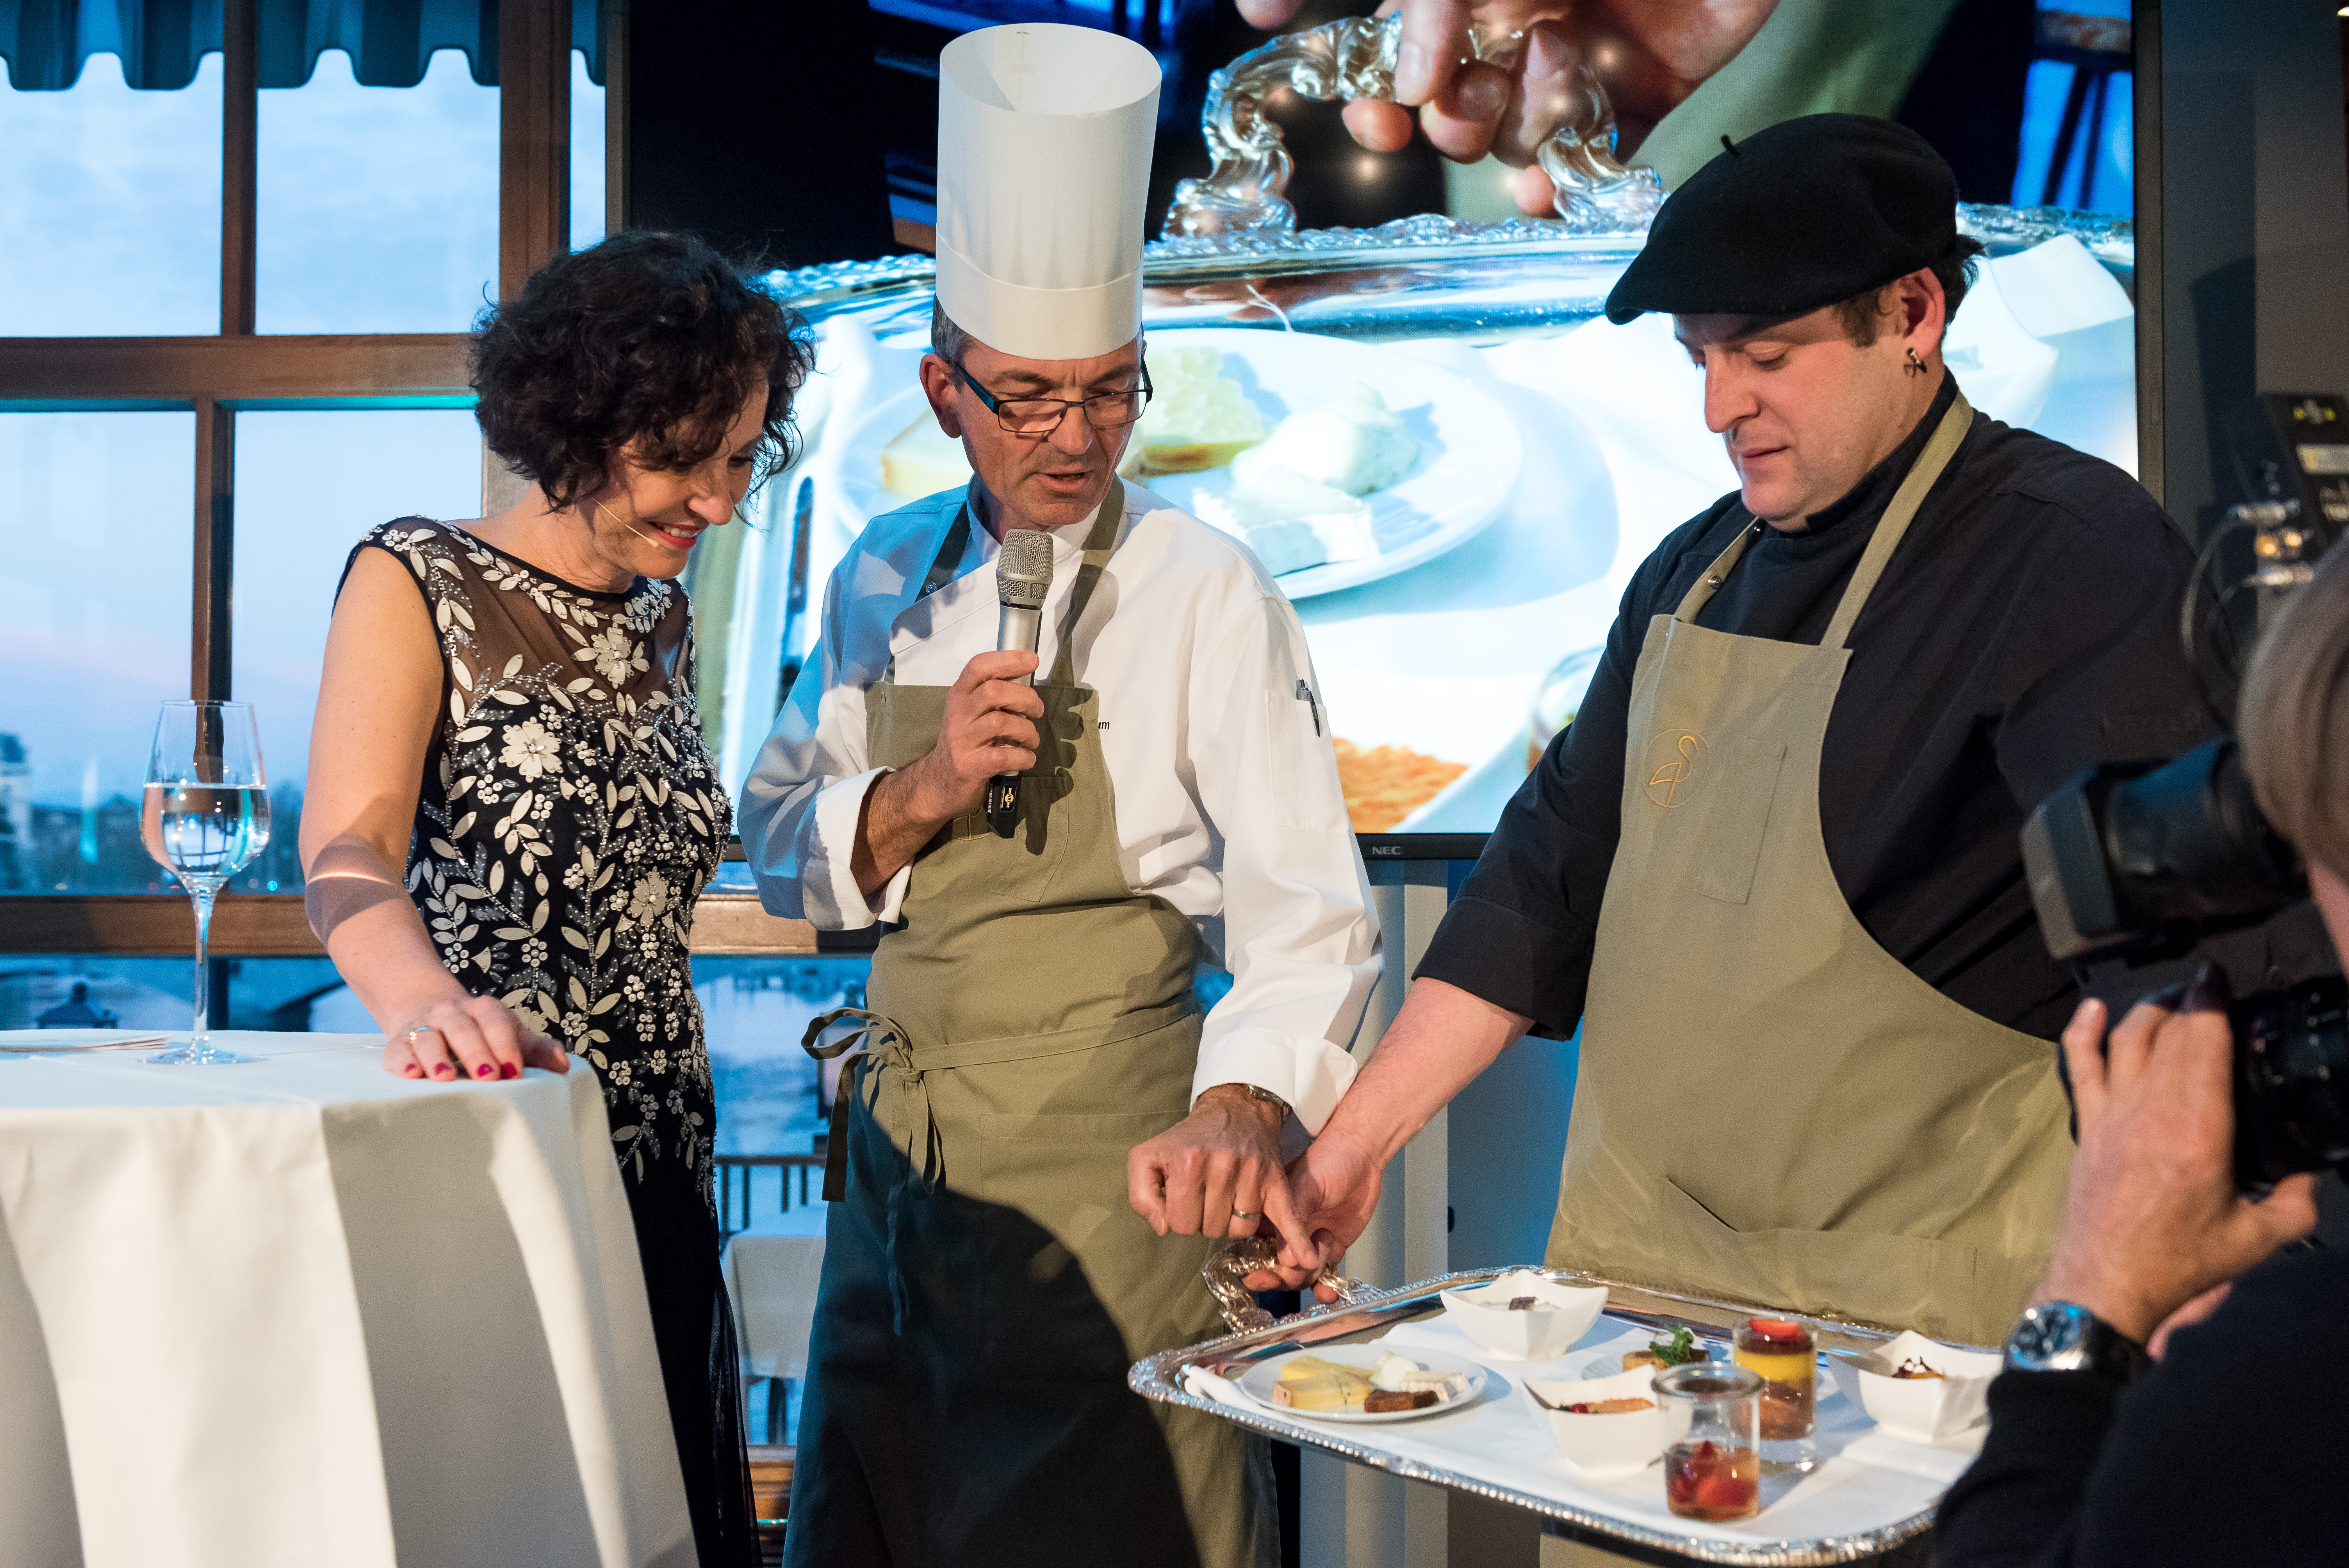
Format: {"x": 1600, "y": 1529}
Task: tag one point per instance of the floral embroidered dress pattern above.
{"x": 569, "y": 816}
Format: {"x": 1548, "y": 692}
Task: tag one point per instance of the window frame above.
{"x": 218, "y": 375}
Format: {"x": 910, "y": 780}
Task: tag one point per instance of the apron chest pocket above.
{"x": 1739, "y": 820}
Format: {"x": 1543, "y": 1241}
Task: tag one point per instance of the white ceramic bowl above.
{"x": 1561, "y": 1314}
{"x": 1921, "y": 1409}
{"x": 1598, "y": 1446}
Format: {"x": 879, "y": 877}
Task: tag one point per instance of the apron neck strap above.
{"x": 1894, "y": 523}
{"x": 942, "y": 566}
{"x": 1100, "y": 545}
{"x": 949, "y": 555}
{"x": 1890, "y": 529}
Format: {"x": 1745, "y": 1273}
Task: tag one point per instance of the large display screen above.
{"x": 1452, "y": 463}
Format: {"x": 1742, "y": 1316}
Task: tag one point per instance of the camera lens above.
{"x": 2292, "y": 1081}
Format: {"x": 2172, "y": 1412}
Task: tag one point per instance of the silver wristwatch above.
{"x": 1258, "y": 1092}
{"x": 2065, "y": 1336}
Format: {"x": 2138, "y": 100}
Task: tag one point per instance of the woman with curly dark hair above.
{"x": 509, "y": 810}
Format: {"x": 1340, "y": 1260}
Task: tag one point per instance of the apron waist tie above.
{"x": 885, "y": 1046}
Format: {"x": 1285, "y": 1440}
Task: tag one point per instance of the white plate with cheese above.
{"x": 1465, "y": 1381}
{"x": 1338, "y": 462}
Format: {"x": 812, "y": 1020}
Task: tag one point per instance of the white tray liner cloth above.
{"x": 1865, "y": 1481}
{"x": 301, "y": 1311}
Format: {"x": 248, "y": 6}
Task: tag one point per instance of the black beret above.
{"x": 1806, "y": 213}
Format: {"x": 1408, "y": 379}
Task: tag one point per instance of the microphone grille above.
{"x": 1024, "y": 570}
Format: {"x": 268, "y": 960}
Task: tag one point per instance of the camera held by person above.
{"x": 2199, "y": 1123}
{"x": 2143, "y": 862}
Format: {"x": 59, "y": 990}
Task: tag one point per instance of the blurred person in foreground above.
{"x": 2235, "y": 1447}
{"x": 509, "y": 810}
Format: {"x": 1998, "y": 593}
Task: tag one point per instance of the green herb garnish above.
{"x": 1679, "y": 1348}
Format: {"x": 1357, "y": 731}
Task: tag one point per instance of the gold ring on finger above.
{"x": 1246, "y": 1215}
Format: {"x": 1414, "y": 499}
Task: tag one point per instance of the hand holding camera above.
{"x": 2154, "y": 1218}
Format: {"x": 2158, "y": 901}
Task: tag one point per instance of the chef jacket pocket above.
{"x": 1739, "y": 820}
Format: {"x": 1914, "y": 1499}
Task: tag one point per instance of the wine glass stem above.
{"x": 202, "y": 892}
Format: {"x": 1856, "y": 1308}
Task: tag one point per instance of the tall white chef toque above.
{"x": 1044, "y": 137}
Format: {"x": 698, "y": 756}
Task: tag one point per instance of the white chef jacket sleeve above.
{"x": 1298, "y": 933}
{"x": 800, "y": 806}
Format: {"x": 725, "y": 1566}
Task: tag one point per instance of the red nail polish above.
{"x": 486, "y": 1069}
{"x": 507, "y": 1070}
{"x": 442, "y": 1070}
{"x": 412, "y": 1070}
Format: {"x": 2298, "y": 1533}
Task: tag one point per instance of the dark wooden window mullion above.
{"x": 240, "y": 160}
{"x": 215, "y": 549}
{"x": 612, "y": 28}
{"x": 533, "y": 137}
{"x": 215, "y": 476}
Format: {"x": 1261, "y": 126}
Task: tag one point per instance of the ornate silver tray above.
{"x": 1426, "y": 276}
{"x": 1370, "y": 1315}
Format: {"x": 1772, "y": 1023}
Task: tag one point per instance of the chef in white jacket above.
{"x": 1042, "y": 1139}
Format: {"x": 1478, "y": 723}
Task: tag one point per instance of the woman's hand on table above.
{"x": 2153, "y": 1221}
{"x": 472, "y": 1037}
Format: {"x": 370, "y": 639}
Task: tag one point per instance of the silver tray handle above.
{"x": 1355, "y": 59}
{"x": 1227, "y": 1269}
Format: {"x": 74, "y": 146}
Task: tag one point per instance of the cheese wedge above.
{"x": 1198, "y": 418}
{"x": 922, "y": 459}
{"x": 1310, "y": 1383}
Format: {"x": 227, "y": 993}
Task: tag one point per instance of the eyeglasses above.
{"x": 1042, "y": 415}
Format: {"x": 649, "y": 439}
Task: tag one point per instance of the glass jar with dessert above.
{"x": 1712, "y": 1459}
{"x": 1784, "y": 1353}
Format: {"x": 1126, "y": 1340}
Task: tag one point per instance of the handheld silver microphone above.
{"x": 1023, "y": 575}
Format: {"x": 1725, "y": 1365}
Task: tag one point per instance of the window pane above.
{"x": 98, "y": 513}
{"x": 379, "y": 206}
{"x": 126, "y": 993}
{"x": 110, "y": 206}
{"x": 754, "y": 1011}
{"x": 586, "y": 155}
{"x": 298, "y": 514}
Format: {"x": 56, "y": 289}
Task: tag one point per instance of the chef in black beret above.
{"x": 1770, "y": 871}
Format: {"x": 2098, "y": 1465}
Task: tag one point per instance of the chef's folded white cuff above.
{"x": 886, "y": 908}
{"x": 838, "y": 807}
{"x": 1310, "y": 1075}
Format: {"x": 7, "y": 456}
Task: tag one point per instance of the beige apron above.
{"x": 986, "y": 1284}
{"x": 1770, "y": 1107}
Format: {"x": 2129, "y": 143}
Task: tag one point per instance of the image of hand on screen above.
{"x": 1648, "y": 57}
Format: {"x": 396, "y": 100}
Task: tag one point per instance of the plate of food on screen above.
{"x": 1336, "y": 462}
{"x": 1364, "y": 1383}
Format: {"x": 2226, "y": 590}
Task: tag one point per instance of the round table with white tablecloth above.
{"x": 300, "y": 1312}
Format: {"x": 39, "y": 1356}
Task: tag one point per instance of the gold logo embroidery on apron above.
{"x": 1675, "y": 763}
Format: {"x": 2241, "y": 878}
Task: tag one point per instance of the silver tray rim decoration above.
{"x": 832, "y": 288}
{"x": 1160, "y": 1377}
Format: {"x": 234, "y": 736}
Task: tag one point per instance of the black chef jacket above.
{"x": 2027, "y": 626}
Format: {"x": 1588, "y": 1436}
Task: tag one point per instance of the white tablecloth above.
{"x": 300, "y": 1312}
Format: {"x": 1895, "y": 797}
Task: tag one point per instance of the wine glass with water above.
{"x": 206, "y": 816}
